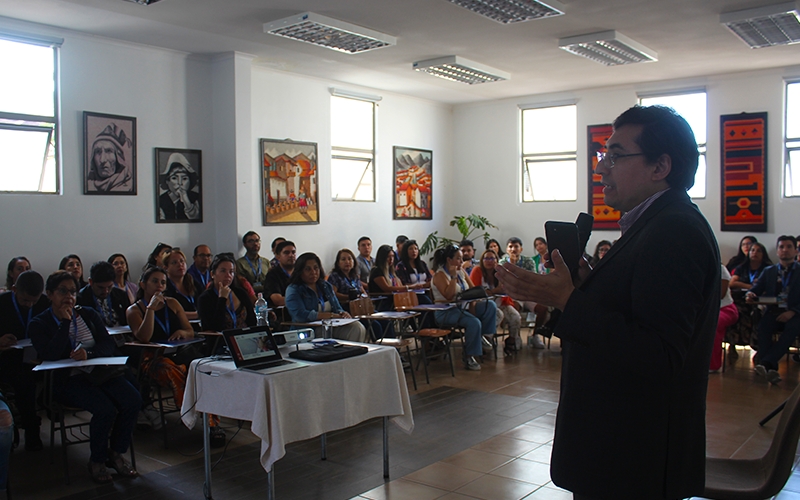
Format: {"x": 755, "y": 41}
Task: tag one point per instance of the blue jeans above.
{"x": 114, "y": 405}
{"x": 6, "y": 441}
{"x": 483, "y": 323}
{"x": 770, "y": 353}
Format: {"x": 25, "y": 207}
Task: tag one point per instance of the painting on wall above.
{"x": 605, "y": 217}
{"x": 109, "y": 154}
{"x": 179, "y": 185}
{"x": 289, "y": 182}
{"x": 412, "y": 183}
{"x": 744, "y": 172}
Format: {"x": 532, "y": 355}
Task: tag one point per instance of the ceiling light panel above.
{"x": 765, "y": 26}
{"x": 458, "y": 69}
{"x": 608, "y": 48}
{"x": 330, "y": 33}
{"x": 512, "y": 11}
{"x": 144, "y": 2}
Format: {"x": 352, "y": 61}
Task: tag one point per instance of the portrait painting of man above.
{"x": 110, "y": 154}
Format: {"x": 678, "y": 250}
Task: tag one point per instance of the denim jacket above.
{"x": 303, "y": 303}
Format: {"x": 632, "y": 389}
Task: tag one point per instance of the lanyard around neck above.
{"x": 19, "y": 314}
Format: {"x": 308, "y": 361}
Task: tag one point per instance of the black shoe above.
{"x": 217, "y": 437}
{"x": 32, "y": 440}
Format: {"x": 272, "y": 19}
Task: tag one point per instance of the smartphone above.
{"x": 564, "y": 237}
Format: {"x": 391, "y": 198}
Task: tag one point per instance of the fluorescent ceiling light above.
{"x": 512, "y": 11}
{"x": 765, "y": 26}
{"x": 330, "y": 33}
{"x": 462, "y": 70}
{"x": 609, "y": 48}
{"x": 144, "y": 2}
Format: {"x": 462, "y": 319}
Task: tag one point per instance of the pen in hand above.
{"x": 78, "y": 347}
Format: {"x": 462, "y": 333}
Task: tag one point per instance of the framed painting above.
{"x": 179, "y": 185}
{"x": 744, "y": 172}
{"x": 605, "y": 217}
{"x": 109, "y": 154}
{"x": 412, "y": 183}
{"x": 289, "y": 177}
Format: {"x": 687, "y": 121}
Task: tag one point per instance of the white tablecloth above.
{"x": 300, "y": 404}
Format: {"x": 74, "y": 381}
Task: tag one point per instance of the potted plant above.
{"x": 466, "y": 225}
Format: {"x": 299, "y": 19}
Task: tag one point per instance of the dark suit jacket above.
{"x": 767, "y": 285}
{"x": 119, "y": 302}
{"x": 637, "y": 337}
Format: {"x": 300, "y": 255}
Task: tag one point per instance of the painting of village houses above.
{"x": 412, "y": 183}
{"x": 289, "y": 180}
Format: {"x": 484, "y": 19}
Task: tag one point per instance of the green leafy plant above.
{"x": 466, "y": 225}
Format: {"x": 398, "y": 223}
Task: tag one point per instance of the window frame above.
{"x": 545, "y": 157}
{"x": 790, "y": 144}
{"x": 351, "y": 154}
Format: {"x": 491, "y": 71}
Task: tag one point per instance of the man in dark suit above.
{"x": 637, "y": 331}
{"x": 102, "y": 296}
{"x": 782, "y": 282}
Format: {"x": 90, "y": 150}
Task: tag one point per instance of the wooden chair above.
{"x": 759, "y": 478}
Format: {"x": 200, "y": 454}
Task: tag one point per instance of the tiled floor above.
{"x": 504, "y": 452}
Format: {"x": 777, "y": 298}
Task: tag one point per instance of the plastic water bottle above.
{"x": 261, "y": 310}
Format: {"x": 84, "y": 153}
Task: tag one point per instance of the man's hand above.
{"x": 7, "y": 341}
{"x": 785, "y": 316}
{"x": 79, "y": 355}
{"x": 552, "y": 289}
{"x": 750, "y": 297}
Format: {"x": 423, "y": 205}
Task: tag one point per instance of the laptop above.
{"x": 254, "y": 349}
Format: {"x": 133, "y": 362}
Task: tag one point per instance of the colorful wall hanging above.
{"x": 744, "y": 172}
{"x": 605, "y": 217}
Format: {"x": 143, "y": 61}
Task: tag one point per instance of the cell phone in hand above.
{"x": 564, "y": 237}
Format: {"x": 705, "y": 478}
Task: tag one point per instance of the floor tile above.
{"x": 400, "y": 489}
{"x": 540, "y": 454}
{"x": 497, "y": 488}
{"x": 477, "y": 460}
{"x": 545, "y": 493}
{"x": 525, "y": 470}
{"x": 444, "y": 476}
{"x": 531, "y": 433}
{"x": 506, "y": 446}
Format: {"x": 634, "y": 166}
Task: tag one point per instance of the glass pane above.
{"x": 22, "y": 159}
{"x": 793, "y": 174}
{"x": 29, "y": 84}
{"x": 549, "y": 130}
{"x": 690, "y": 106}
{"x": 351, "y": 180}
{"x": 793, "y": 110}
{"x": 352, "y": 123}
{"x": 554, "y": 181}
{"x": 699, "y": 188}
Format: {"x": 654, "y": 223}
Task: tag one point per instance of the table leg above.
{"x": 206, "y": 457}
{"x": 386, "y": 447}
{"x": 271, "y": 484}
{"x": 323, "y": 441}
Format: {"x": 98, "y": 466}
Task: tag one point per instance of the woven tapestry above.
{"x": 744, "y": 172}
{"x": 605, "y": 217}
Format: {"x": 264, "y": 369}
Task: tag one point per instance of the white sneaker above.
{"x": 536, "y": 342}
{"x": 486, "y": 344}
{"x": 153, "y": 417}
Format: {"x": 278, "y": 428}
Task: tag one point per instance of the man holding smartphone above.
{"x": 637, "y": 330}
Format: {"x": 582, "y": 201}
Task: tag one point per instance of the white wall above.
{"x": 487, "y": 154}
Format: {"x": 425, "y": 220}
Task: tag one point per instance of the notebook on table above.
{"x": 254, "y": 349}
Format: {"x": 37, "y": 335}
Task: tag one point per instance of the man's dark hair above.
{"x": 30, "y": 283}
{"x": 284, "y": 244}
{"x": 401, "y": 239}
{"x": 194, "y": 254}
{"x": 248, "y": 234}
{"x": 102, "y": 272}
{"x": 785, "y": 237}
{"x": 276, "y": 241}
{"x": 514, "y": 239}
{"x": 466, "y": 243}
{"x": 364, "y": 238}
{"x": 665, "y": 132}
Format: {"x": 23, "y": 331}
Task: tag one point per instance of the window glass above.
{"x": 791, "y": 176}
{"x": 549, "y": 154}
{"x": 352, "y": 149}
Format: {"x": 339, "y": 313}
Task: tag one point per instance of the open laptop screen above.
{"x": 251, "y": 346}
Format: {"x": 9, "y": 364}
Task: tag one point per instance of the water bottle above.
{"x": 261, "y": 310}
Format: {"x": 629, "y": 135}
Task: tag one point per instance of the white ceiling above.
{"x": 686, "y": 34}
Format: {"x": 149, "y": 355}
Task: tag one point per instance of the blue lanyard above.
{"x": 365, "y": 261}
{"x": 73, "y": 339}
{"x": 321, "y": 298}
{"x": 204, "y": 278}
{"x": 255, "y": 274}
{"x": 753, "y": 275}
{"x": 354, "y": 283}
{"x": 228, "y": 306}
{"x": 155, "y": 317}
{"x": 190, "y": 299}
{"x": 19, "y": 314}
{"x": 461, "y": 284}
{"x": 786, "y": 277}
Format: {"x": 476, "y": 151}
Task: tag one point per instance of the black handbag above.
{"x": 474, "y": 293}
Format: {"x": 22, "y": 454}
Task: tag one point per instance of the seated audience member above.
{"x": 72, "y": 264}
{"x": 600, "y": 251}
{"x": 494, "y": 246}
{"x": 157, "y": 256}
{"x": 344, "y": 278}
{"x": 365, "y": 260}
{"x": 252, "y": 266}
{"x": 744, "y": 250}
{"x": 17, "y": 308}
{"x": 16, "y": 266}
{"x": 745, "y": 274}
{"x": 111, "y": 303}
{"x": 411, "y": 269}
{"x": 277, "y": 278}
{"x": 514, "y": 255}
{"x": 540, "y": 244}
{"x": 122, "y": 276}
{"x": 399, "y": 242}
{"x": 65, "y": 331}
{"x": 783, "y": 282}
{"x": 479, "y": 320}
{"x": 310, "y": 298}
{"x": 180, "y": 286}
{"x": 382, "y": 278}
{"x": 274, "y": 247}
{"x": 199, "y": 270}
{"x": 728, "y": 315}
{"x": 468, "y": 254}
{"x": 484, "y": 275}
{"x": 225, "y": 305}
{"x": 6, "y": 444}
{"x": 744, "y": 331}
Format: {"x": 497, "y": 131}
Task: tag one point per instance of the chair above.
{"x": 72, "y": 433}
{"x": 760, "y": 478}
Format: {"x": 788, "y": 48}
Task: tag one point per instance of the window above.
{"x": 352, "y": 149}
{"x": 791, "y": 186}
{"x": 691, "y": 106}
{"x": 549, "y": 154}
{"x": 28, "y": 116}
